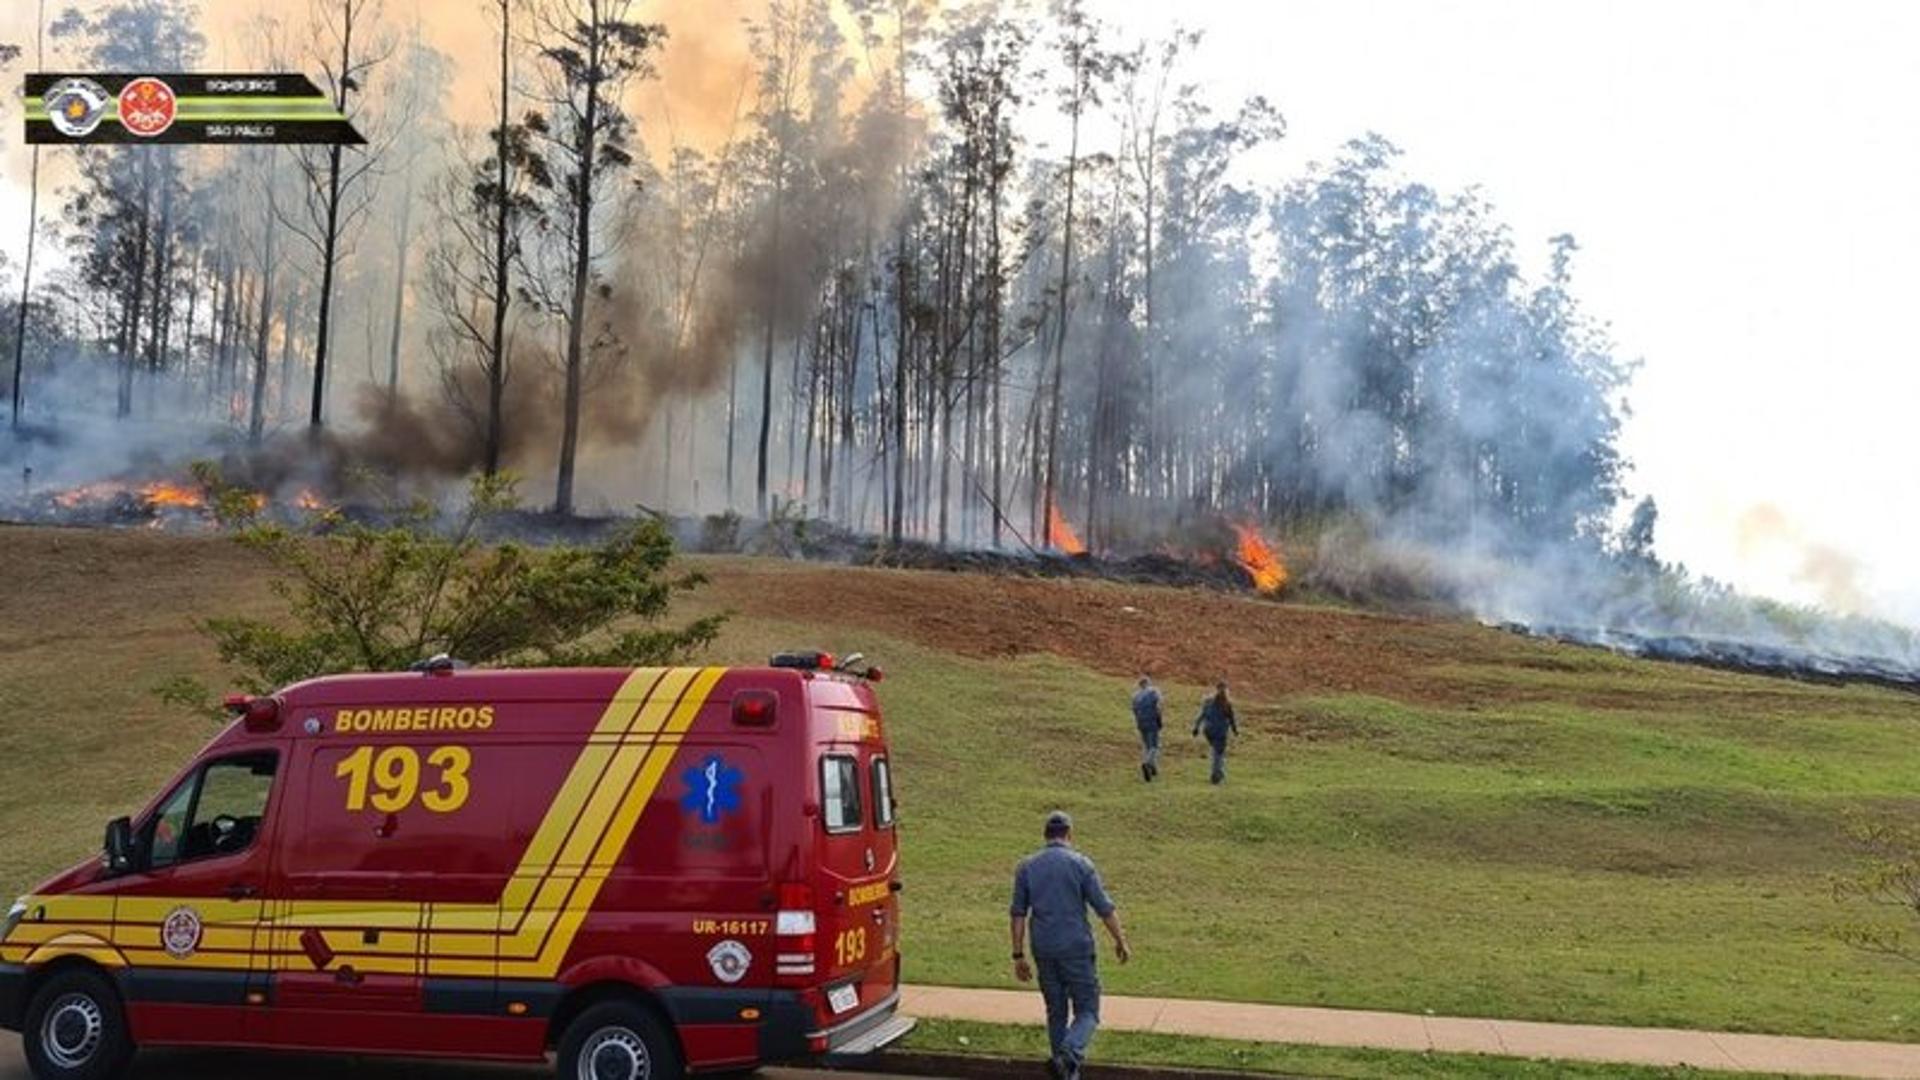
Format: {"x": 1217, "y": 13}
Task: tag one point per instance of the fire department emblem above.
{"x": 729, "y": 961}
{"x": 76, "y": 106}
{"x": 180, "y": 933}
{"x": 147, "y": 107}
{"x": 713, "y": 790}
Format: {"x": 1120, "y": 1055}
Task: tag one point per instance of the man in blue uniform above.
{"x": 1146, "y": 717}
{"x": 1216, "y": 718}
{"x": 1052, "y": 890}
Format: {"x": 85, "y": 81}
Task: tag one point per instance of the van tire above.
{"x": 75, "y": 1029}
{"x": 623, "y": 1040}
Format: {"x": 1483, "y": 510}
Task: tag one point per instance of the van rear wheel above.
{"x": 74, "y": 1029}
{"x": 618, "y": 1040}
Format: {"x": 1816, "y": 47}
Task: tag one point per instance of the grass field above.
{"x": 1422, "y": 815}
{"x": 1028, "y": 1044}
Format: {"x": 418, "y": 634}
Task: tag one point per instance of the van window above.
{"x": 882, "y": 794}
{"x": 840, "y": 793}
{"x": 216, "y": 811}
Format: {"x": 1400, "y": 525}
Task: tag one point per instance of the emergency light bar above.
{"x": 820, "y": 661}
{"x": 805, "y": 661}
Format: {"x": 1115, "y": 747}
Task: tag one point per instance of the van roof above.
{"x": 532, "y": 684}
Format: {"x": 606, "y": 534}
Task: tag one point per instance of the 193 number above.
{"x": 390, "y": 780}
{"x": 850, "y": 947}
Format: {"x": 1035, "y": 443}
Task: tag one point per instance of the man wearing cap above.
{"x": 1052, "y": 890}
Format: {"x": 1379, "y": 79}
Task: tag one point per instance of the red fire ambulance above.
{"x": 643, "y": 872}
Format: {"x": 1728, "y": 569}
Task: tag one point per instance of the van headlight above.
{"x": 14, "y": 914}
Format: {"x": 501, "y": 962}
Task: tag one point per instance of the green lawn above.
{"x": 1543, "y": 833}
{"x": 1028, "y": 1044}
{"x": 1651, "y": 867}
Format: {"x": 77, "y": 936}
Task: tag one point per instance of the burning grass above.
{"x": 1259, "y": 559}
{"x": 1060, "y": 535}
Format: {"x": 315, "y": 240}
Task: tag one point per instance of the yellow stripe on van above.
{"x": 559, "y": 911}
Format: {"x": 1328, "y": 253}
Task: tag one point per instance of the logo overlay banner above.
{"x": 130, "y": 107}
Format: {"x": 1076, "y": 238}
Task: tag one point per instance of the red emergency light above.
{"x": 754, "y": 708}
{"x": 257, "y": 713}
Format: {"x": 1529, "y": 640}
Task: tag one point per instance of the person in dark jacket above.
{"x": 1146, "y": 717}
{"x": 1217, "y": 720}
{"x": 1052, "y": 890}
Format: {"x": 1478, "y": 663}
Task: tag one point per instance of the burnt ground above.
{"x": 1267, "y": 649}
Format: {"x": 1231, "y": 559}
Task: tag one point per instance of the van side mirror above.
{"x": 119, "y": 845}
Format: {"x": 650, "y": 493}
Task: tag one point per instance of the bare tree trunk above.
{"x": 401, "y": 260}
{"x": 502, "y": 267}
{"x": 903, "y": 347}
{"x": 1060, "y": 338}
{"x": 766, "y": 350}
{"x": 26, "y": 276}
{"x": 33, "y": 228}
{"x": 586, "y": 149}
{"x": 323, "y": 336}
{"x": 193, "y": 309}
{"x": 733, "y": 414}
{"x": 223, "y": 350}
{"x": 130, "y": 339}
{"x": 257, "y": 418}
{"x": 289, "y": 308}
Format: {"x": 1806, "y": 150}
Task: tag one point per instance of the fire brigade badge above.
{"x": 729, "y": 961}
{"x": 713, "y": 790}
{"x": 75, "y": 106}
{"x": 147, "y": 107}
{"x": 180, "y": 932}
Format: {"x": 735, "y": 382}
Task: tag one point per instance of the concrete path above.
{"x": 1403, "y": 1031}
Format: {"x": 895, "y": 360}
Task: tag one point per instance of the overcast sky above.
{"x": 1744, "y": 180}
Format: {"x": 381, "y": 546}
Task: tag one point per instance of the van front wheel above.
{"x": 74, "y": 1029}
{"x": 617, "y": 1040}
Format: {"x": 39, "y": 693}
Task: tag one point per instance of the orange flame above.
{"x": 87, "y": 493}
{"x": 311, "y": 502}
{"x": 1260, "y": 560}
{"x": 1060, "y": 535}
{"x": 163, "y": 493}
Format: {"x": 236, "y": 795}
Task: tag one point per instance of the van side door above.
{"x": 346, "y": 942}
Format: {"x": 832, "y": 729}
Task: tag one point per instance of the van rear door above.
{"x": 858, "y": 866}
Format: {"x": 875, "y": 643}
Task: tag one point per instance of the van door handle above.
{"x": 241, "y": 890}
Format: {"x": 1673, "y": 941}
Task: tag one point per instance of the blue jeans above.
{"x": 1150, "y": 746}
{"x": 1219, "y": 760}
{"x": 1074, "y": 981}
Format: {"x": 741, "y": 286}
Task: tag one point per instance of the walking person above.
{"x": 1146, "y": 716}
{"x": 1216, "y": 719}
{"x": 1052, "y": 890}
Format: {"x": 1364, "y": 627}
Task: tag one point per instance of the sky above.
{"x": 1740, "y": 175}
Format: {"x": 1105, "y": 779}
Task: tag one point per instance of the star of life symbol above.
{"x": 713, "y": 790}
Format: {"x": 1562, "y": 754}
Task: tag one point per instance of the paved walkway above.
{"x": 1403, "y": 1031}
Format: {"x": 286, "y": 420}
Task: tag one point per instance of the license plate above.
{"x": 843, "y": 998}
